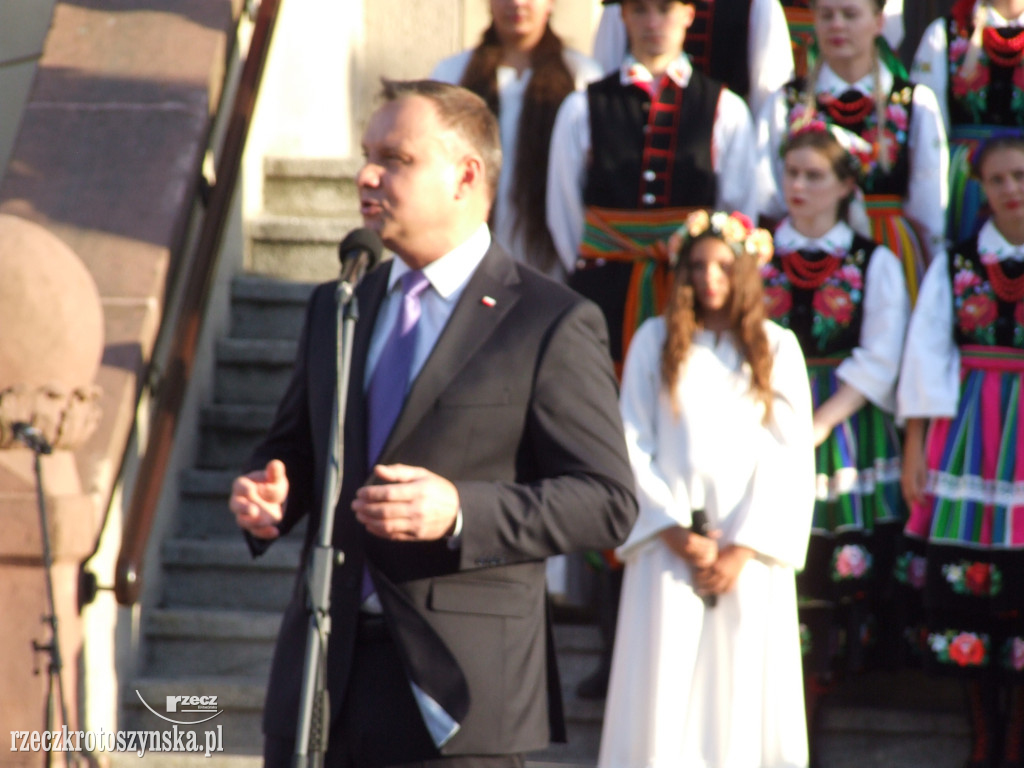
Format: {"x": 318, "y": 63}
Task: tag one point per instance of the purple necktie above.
{"x": 390, "y": 379}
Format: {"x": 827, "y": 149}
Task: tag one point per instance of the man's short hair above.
{"x": 461, "y": 111}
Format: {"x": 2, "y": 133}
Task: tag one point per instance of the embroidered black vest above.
{"x": 980, "y": 317}
{"x": 827, "y": 320}
{"x": 994, "y": 95}
{"x": 716, "y": 42}
{"x": 898, "y": 115}
{"x": 651, "y": 155}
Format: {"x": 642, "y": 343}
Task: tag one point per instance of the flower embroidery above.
{"x": 833, "y": 303}
{"x": 777, "y": 300}
{"x": 850, "y": 561}
{"x": 1013, "y": 654}
{"x": 974, "y": 579}
{"x": 911, "y": 569}
{"x": 974, "y": 303}
{"x": 965, "y": 649}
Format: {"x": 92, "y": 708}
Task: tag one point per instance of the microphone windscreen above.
{"x": 362, "y": 240}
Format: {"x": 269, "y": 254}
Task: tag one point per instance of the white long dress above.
{"x": 712, "y": 687}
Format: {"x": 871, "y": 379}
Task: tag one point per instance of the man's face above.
{"x": 656, "y": 27}
{"x": 409, "y": 182}
{"x": 520, "y": 20}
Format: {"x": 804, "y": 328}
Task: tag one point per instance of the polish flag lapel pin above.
{"x": 488, "y": 301}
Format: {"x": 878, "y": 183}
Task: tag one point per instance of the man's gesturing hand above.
{"x": 257, "y": 500}
{"x": 408, "y": 503}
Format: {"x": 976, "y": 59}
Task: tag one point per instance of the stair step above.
{"x": 253, "y": 371}
{"x": 231, "y": 432}
{"x": 297, "y": 248}
{"x": 189, "y": 642}
{"x": 221, "y": 573}
{"x": 268, "y": 308}
{"x": 311, "y": 186}
{"x": 240, "y": 700}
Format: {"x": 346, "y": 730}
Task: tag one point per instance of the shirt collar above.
{"x": 994, "y": 19}
{"x": 836, "y": 240}
{"x": 830, "y": 82}
{"x": 450, "y": 272}
{"x": 992, "y": 243}
{"x": 632, "y": 72}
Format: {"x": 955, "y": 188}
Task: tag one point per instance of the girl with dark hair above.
{"x": 961, "y": 390}
{"x": 973, "y": 59}
{"x": 706, "y": 667}
{"x": 523, "y": 72}
{"x": 860, "y": 85}
{"x": 844, "y": 297}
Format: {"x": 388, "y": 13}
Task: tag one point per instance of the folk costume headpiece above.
{"x": 734, "y": 229}
{"x": 861, "y": 154}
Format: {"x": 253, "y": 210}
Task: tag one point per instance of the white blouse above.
{"x": 511, "y": 91}
{"x": 874, "y": 365}
{"x": 927, "y": 191}
{"x": 733, "y": 155}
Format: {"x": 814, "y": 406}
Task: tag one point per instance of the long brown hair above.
{"x": 549, "y": 84}
{"x": 746, "y": 312}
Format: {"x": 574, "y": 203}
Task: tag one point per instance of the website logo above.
{"x": 194, "y": 709}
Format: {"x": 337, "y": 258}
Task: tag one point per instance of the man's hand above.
{"x": 721, "y": 577}
{"x": 257, "y": 500}
{"x": 408, "y": 503}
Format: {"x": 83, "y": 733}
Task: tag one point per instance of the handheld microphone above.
{"x": 359, "y": 252}
{"x": 699, "y": 525}
{"x": 31, "y": 437}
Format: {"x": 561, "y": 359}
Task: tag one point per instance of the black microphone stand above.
{"x": 33, "y": 439}
{"x": 313, "y": 726}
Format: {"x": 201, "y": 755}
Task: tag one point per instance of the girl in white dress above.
{"x": 717, "y": 410}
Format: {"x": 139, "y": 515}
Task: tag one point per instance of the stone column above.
{"x": 51, "y": 342}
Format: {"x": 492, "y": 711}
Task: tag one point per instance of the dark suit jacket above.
{"x": 517, "y": 406}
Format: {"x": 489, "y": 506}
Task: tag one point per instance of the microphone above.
{"x": 359, "y": 252}
{"x": 699, "y": 525}
{"x": 31, "y": 437}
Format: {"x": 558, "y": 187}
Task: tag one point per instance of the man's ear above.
{"x": 689, "y": 14}
{"x": 472, "y": 175}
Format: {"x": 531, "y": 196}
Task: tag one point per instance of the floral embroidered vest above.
{"x": 827, "y": 318}
{"x": 980, "y": 316}
{"x": 993, "y": 94}
{"x": 860, "y": 116}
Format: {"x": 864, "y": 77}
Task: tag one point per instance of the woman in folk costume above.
{"x": 845, "y": 298}
{"x": 974, "y": 62}
{"x": 523, "y": 72}
{"x": 860, "y": 86}
{"x": 800, "y": 20}
{"x": 961, "y": 390}
{"x": 706, "y": 668}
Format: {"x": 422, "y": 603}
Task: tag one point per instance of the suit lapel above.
{"x": 489, "y": 295}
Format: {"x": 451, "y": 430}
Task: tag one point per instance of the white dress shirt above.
{"x": 931, "y": 62}
{"x": 448, "y": 276}
{"x": 927, "y": 192}
{"x": 873, "y": 366}
{"x": 769, "y": 52}
{"x": 511, "y": 92}
{"x": 733, "y": 155}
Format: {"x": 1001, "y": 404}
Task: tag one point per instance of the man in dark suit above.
{"x": 507, "y": 448}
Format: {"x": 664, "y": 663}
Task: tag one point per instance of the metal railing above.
{"x": 184, "y": 342}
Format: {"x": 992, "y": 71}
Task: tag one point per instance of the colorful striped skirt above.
{"x": 967, "y": 202}
{"x": 965, "y": 553}
{"x": 897, "y": 233}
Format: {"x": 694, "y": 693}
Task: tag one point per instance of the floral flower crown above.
{"x": 734, "y": 229}
{"x": 862, "y": 154}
